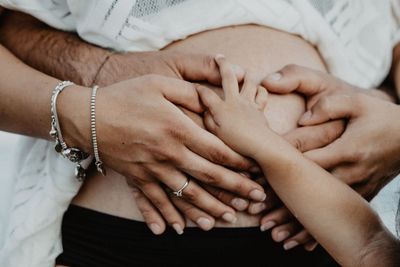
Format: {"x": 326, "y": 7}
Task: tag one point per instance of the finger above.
{"x": 199, "y": 67}
{"x": 238, "y": 203}
{"x": 160, "y": 200}
{"x": 312, "y": 137}
{"x": 311, "y": 245}
{"x": 192, "y": 192}
{"x": 150, "y": 214}
{"x": 250, "y": 85}
{"x": 276, "y": 217}
{"x": 297, "y": 78}
{"x": 331, "y": 107}
{"x": 210, "y": 147}
{"x": 300, "y": 238}
{"x": 178, "y": 92}
{"x": 229, "y": 81}
{"x": 284, "y": 231}
{"x": 209, "y": 98}
{"x": 272, "y": 201}
{"x": 202, "y": 219}
{"x": 262, "y": 97}
{"x": 209, "y": 122}
{"x": 218, "y": 176}
{"x": 331, "y": 155}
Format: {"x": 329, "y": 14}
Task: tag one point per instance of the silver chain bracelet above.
{"x": 98, "y": 162}
{"x": 75, "y": 155}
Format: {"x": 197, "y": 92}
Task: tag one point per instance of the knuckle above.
{"x": 191, "y": 194}
{"x": 211, "y": 179}
{"x": 209, "y": 62}
{"x": 219, "y": 156}
{"x": 291, "y": 68}
{"x": 299, "y": 143}
{"x": 240, "y": 186}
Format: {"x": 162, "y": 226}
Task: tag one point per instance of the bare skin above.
{"x": 327, "y": 207}
{"x": 200, "y": 43}
{"x": 282, "y": 113}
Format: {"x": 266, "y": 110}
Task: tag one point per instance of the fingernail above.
{"x": 155, "y": 228}
{"x": 258, "y": 195}
{"x": 306, "y": 116}
{"x": 274, "y": 76}
{"x": 282, "y": 236}
{"x": 311, "y": 247}
{"x": 268, "y": 225}
{"x": 290, "y": 245}
{"x": 239, "y": 204}
{"x": 177, "y": 228}
{"x": 257, "y": 208}
{"x": 204, "y": 223}
{"x": 218, "y": 56}
{"x": 229, "y": 217}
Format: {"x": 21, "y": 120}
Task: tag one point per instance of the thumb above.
{"x": 329, "y": 156}
{"x": 301, "y": 79}
{"x": 199, "y": 67}
{"x": 330, "y": 107}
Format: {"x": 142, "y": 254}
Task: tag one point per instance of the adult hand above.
{"x": 361, "y": 157}
{"x": 190, "y": 67}
{"x": 144, "y": 136}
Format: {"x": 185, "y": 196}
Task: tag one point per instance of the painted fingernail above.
{"x": 218, "y": 56}
{"x": 306, "y": 116}
{"x": 229, "y": 217}
{"x": 239, "y": 204}
{"x": 274, "y": 76}
{"x": 155, "y": 228}
{"x": 258, "y": 195}
{"x": 177, "y": 228}
{"x": 290, "y": 245}
{"x": 204, "y": 223}
{"x": 268, "y": 225}
{"x": 257, "y": 208}
{"x": 282, "y": 236}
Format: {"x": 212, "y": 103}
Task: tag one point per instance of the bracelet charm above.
{"x": 75, "y": 155}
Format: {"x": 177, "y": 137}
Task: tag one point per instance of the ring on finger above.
{"x": 179, "y": 193}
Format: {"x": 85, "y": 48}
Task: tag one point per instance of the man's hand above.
{"x": 362, "y": 157}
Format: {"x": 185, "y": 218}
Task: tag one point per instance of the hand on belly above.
{"x": 264, "y": 50}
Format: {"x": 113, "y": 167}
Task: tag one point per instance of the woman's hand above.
{"x": 144, "y": 136}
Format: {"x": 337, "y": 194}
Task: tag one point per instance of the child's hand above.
{"x": 238, "y": 119}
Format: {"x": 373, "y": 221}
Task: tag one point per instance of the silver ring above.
{"x": 179, "y": 193}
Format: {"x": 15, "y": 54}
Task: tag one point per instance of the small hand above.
{"x": 365, "y": 155}
{"x": 237, "y": 119}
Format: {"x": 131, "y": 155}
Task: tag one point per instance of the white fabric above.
{"x": 354, "y": 37}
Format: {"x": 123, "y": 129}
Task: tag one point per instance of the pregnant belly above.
{"x": 261, "y": 49}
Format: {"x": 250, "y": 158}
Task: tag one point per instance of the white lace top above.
{"x": 354, "y": 37}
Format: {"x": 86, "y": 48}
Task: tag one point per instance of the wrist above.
{"x": 74, "y": 117}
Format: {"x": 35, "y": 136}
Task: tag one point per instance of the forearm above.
{"x": 59, "y": 54}
{"x": 24, "y": 97}
{"x": 329, "y": 209}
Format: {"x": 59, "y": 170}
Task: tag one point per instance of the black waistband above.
{"x": 91, "y": 238}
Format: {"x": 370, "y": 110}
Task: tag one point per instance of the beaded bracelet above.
{"x": 75, "y": 155}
